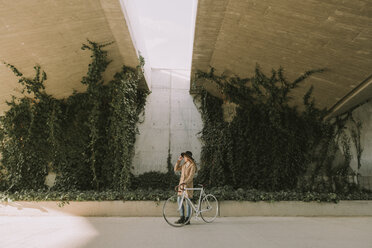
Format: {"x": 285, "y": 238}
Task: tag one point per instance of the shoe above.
{"x": 187, "y": 221}
{"x": 181, "y": 220}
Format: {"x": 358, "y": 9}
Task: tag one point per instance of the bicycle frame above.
{"x": 205, "y": 203}
{"x": 197, "y": 207}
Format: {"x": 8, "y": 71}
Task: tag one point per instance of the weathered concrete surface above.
{"x": 357, "y": 96}
{"x": 233, "y": 36}
{"x": 364, "y": 115}
{"x": 50, "y": 33}
{"x": 154, "y": 209}
{"x": 171, "y": 122}
{"x": 262, "y": 232}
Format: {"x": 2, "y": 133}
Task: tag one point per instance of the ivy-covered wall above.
{"x": 270, "y": 144}
{"x": 87, "y": 139}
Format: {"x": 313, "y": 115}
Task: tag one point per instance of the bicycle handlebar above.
{"x": 178, "y": 186}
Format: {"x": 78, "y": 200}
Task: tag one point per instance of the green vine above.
{"x": 270, "y": 144}
{"x": 87, "y": 139}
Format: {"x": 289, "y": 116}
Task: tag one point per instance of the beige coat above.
{"x": 187, "y": 175}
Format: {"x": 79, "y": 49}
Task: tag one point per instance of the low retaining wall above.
{"x": 296, "y": 208}
{"x": 151, "y": 208}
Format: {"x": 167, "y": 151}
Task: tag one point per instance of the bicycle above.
{"x": 207, "y": 207}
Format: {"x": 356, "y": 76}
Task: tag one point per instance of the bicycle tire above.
{"x": 209, "y": 208}
{"x": 171, "y": 213}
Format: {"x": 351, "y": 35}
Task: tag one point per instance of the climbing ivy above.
{"x": 270, "y": 144}
{"x": 24, "y": 158}
{"x": 87, "y": 139}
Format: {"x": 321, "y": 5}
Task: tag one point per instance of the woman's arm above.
{"x": 178, "y": 167}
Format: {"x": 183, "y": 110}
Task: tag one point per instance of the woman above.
{"x": 188, "y": 169}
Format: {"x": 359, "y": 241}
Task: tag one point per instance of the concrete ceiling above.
{"x": 50, "y": 33}
{"x": 233, "y": 35}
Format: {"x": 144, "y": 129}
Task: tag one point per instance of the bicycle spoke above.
{"x": 172, "y": 211}
{"x": 209, "y": 208}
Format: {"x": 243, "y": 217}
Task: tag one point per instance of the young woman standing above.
{"x": 188, "y": 170}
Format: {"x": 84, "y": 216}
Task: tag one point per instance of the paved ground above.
{"x": 260, "y": 232}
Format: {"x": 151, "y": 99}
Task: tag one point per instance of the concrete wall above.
{"x": 363, "y": 114}
{"x": 171, "y": 122}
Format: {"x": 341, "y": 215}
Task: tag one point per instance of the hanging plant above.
{"x": 87, "y": 139}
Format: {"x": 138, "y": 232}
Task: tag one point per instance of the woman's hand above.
{"x": 180, "y": 158}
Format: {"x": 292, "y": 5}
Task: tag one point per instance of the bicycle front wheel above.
{"x": 209, "y": 208}
{"x": 171, "y": 211}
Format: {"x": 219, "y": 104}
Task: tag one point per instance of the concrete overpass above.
{"x": 232, "y": 36}
{"x": 50, "y": 33}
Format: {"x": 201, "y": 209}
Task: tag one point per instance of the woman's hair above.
{"x": 193, "y": 160}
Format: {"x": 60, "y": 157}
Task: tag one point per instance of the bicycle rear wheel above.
{"x": 171, "y": 211}
{"x": 209, "y": 208}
